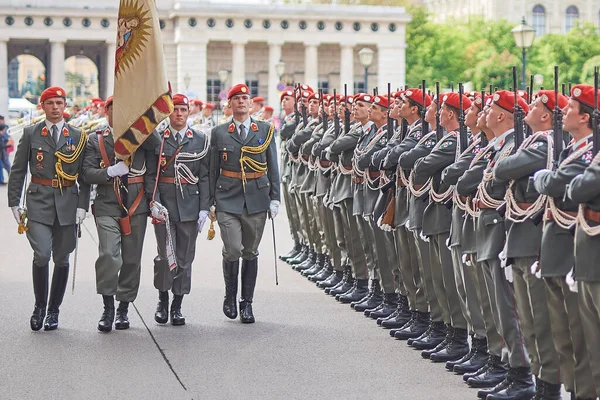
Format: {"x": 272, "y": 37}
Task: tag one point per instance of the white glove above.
{"x": 119, "y": 169}
{"x": 17, "y": 212}
{"x": 502, "y": 258}
{"x": 423, "y": 237}
{"x": 466, "y": 260}
{"x": 538, "y": 176}
{"x": 202, "y": 219}
{"x": 274, "y": 208}
{"x": 448, "y": 243}
{"x": 80, "y": 216}
{"x": 536, "y": 270}
{"x": 157, "y": 213}
{"x": 571, "y": 281}
{"x": 508, "y": 273}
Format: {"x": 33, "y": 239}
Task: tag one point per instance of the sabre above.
{"x": 75, "y": 257}
{"x": 274, "y": 250}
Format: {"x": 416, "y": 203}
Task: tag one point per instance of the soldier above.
{"x": 244, "y": 185}
{"x": 523, "y": 242}
{"x": 195, "y": 116}
{"x": 56, "y": 200}
{"x": 207, "y": 117}
{"x": 581, "y": 311}
{"x": 177, "y": 180}
{"x": 268, "y": 114}
{"x": 226, "y": 111}
{"x": 121, "y": 239}
{"x": 257, "y": 106}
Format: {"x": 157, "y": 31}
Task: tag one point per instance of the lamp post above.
{"x": 524, "y": 35}
{"x": 186, "y": 81}
{"x": 280, "y": 69}
{"x": 223, "y": 75}
{"x": 365, "y": 56}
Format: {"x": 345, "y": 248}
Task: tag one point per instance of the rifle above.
{"x": 462, "y": 132}
{"x": 346, "y": 110}
{"x": 557, "y": 121}
{"x": 564, "y": 89}
{"x": 336, "y": 120}
{"x": 439, "y": 134}
{"x": 424, "y": 125}
{"x": 518, "y": 114}
{"x": 297, "y": 97}
{"x": 596, "y": 113}
{"x": 324, "y": 116}
{"x": 484, "y": 139}
{"x": 404, "y": 122}
{"x": 527, "y": 128}
{"x": 304, "y": 113}
{"x": 390, "y": 120}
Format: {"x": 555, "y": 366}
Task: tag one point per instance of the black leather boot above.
{"x": 249, "y": 273}
{"x": 301, "y": 257}
{"x": 434, "y": 336}
{"x": 480, "y": 371}
{"x": 122, "y": 319}
{"x": 389, "y": 305}
{"x": 57, "y": 293}
{"x": 360, "y": 290}
{"x": 456, "y": 348}
{"x": 401, "y": 314}
{"x": 343, "y": 286}
{"x": 177, "y": 318}
{"x": 495, "y": 373}
{"x": 546, "y": 390}
{"x": 293, "y": 253}
{"x": 316, "y": 267}
{"x": 308, "y": 263}
{"x": 230, "y": 275}
{"x": 411, "y": 321}
{"x": 417, "y": 328}
{"x": 478, "y": 358}
{"x": 484, "y": 393}
{"x": 40, "y": 291}
{"x": 450, "y": 364}
{"x": 332, "y": 280}
{"x": 108, "y": 315}
{"x": 162, "y": 308}
{"x": 324, "y": 273}
{"x": 520, "y": 388}
{"x": 373, "y": 299}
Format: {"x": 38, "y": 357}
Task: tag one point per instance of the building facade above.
{"x": 319, "y": 44}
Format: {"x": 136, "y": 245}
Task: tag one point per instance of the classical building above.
{"x": 546, "y": 16}
{"x": 319, "y": 44}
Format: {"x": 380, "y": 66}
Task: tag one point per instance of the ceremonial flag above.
{"x": 142, "y": 97}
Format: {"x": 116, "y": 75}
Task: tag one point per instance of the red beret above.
{"x": 381, "y": 101}
{"x": 258, "y": 99}
{"x": 240, "y": 88}
{"x": 305, "y": 94}
{"x": 307, "y": 88}
{"x": 180, "y": 100}
{"x": 452, "y": 99}
{"x": 51, "y": 92}
{"x": 209, "y": 105}
{"x": 196, "y": 102}
{"x": 314, "y": 96}
{"x": 547, "y": 98}
{"x": 269, "y": 108}
{"x": 583, "y": 94}
{"x": 416, "y": 95}
{"x": 477, "y": 100}
{"x": 286, "y": 93}
{"x": 66, "y": 115}
{"x": 506, "y": 100}
{"x": 523, "y": 94}
{"x": 108, "y": 101}
{"x": 349, "y": 99}
{"x": 96, "y": 100}
{"x": 367, "y": 98}
{"x": 328, "y": 97}
{"x": 398, "y": 94}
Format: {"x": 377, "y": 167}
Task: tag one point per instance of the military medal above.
{"x": 163, "y": 161}
{"x": 102, "y": 165}
{"x": 225, "y": 156}
{"x": 70, "y": 146}
{"x": 39, "y": 157}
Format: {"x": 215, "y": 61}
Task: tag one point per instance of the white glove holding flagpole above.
{"x": 119, "y": 169}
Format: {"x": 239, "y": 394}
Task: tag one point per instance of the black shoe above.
{"x": 323, "y": 268}
{"x": 177, "y": 318}
{"x": 122, "y": 319}
{"x": 51, "y": 322}
{"x": 40, "y": 291}
{"x": 249, "y": 273}
{"x": 477, "y": 358}
{"x": 373, "y": 299}
{"x": 108, "y": 315}
{"x": 520, "y": 387}
{"x": 400, "y": 316}
{"x": 389, "y": 305}
{"x": 434, "y": 336}
{"x": 480, "y": 371}
{"x": 162, "y": 308}
{"x": 456, "y": 348}
{"x": 417, "y": 328}
{"x": 546, "y": 390}
{"x": 411, "y": 321}
{"x": 322, "y": 275}
{"x": 57, "y": 293}
{"x": 331, "y": 281}
{"x": 230, "y": 275}
{"x": 293, "y": 253}
{"x": 427, "y": 353}
{"x": 300, "y": 258}
{"x": 494, "y": 375}
{"x": 315, "y": 268}
{"x": 360, "y": 290}
{"x": 345, "y": 284}
{"x": 308, "y": 263}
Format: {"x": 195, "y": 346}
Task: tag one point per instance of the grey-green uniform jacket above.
{"x": 228, "y": 193}
{"x": 341, "y": 150}
{"x": 285, "y": 133}
{"x": 364, "y": 163}
{"x": 300, "y": 136}
{"x": 45, "y": 204}
{"x": 310, "y": 180}
{"x": 94, "y": 173}
{"x": 183, "y": 202}
{"x": 324, "y": 179}
{"x": 524, "y": 239}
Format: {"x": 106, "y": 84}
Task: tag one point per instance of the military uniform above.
{"x": 53, "y": 154}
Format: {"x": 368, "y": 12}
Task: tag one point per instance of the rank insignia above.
{"x": 39, "y": 166}
{"x": 446, "y": 144}
{"x": 383, "y": 140}
{"x": 587, "y": 157}
{"x": 261, "y": 140}
{"x": 189, "y": 133}
{"x": 167, "y": 133}
{"x": 254, "y": 127}
{"x": 45, "y": 131}
{"x": 224, "y": 156}
{"x": 536, "y": 145}
{"x": 65, "y": 131}
{"x": 39, "y": 157}
{"x": 231, "y": 128}
{"x": 163, "y": 161}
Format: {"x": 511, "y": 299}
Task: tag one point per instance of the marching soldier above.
{"x": 56, "y": 201}
{"x": 177, "y": 186}
{"x": 121, "y": 238}
{"x": 244, "y": 186}
{"x": 256, "y": 107}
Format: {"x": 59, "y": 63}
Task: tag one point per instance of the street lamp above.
{"x": 524, "y": 35}
{"x": 280, "y": 69}
{"x": 365, "y": 55}
{"x": 223, "y": 75}
{"x": 186, "y": 81}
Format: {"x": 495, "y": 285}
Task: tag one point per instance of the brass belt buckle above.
{"x": 54, "y": 183}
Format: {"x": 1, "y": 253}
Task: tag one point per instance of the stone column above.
{"x": 4, "y": 80}
{"x": 57, "y": 63}
{"x": 109, "y": 73}
{"x": 347, "y": 67}
{"x": 311, "y": 64}
{"x": 238, "y": 62}
{"x": 274, "y": 57}
{"x": 191, "y": 61}
{"x": 391, "y": 66}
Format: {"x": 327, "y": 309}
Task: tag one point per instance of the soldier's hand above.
{"x": 538, "y": 176}
{"x": 274, "y": 208}
{"x": 119, "y": 169}
{"x": 17, "y": 212}
{"x": 156, "y": 213}
{"x": 202, "y": 219}
{"x": 80, "y": 216}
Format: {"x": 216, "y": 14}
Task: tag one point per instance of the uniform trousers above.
{"x": 569, "y": 340}
{"x": 241, "y": 234}
{"x": 589, "y": 300}
{"x": 492, "y": 332}
{"x": 504, "y": 309}
{"x": 311, "y": 221}
{"x": 390, "y": 247}
{"x": 383, "y": 268}
{"x": 532, "y": 304}
{"x": 356, "y": 256}
{"x": 367, "y": 247}
{"x": 119, "y": 262}
{"x": 319, "y": 225}
{"x": 328, "y": 225}
{"x": 183, "y": 235}
{"x": 466, "y": 285}
{"x": 444, "y": 282}
{"x": 51, "y": 241}
{"x": 292, "y": 213}
{"x": 424, "y": 260}
{"x": 303, "y": 217}
{"x": 408, "y": 267}
{"x": 339, "y": 239}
